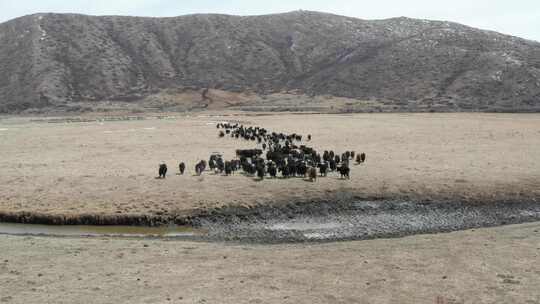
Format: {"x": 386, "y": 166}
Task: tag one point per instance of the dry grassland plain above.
{"x": 109, "y": 167}
{"x": 489, "y": 265}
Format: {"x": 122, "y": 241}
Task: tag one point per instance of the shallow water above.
{"x": 118, "y": 231}
{"x": 305, "y": 225}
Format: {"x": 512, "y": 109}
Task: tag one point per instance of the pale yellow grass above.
{"x": 495, "y": 265}
{"x": 110, "y": 167}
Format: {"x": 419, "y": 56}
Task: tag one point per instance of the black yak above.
{"x": 301, "y": 169}
{"x": 260, "y": 171}
{"x": 323, "y": 168}
{"x": 326, "y": 156}
{"x": 331, "y": 154}
{"x": 162, "y": 170}
{"x": 182, "y": 168}
{"x": 220, "y": 165}
{"x": 312, "y": 173}
{"x": 363, "y": 157}
{"x": 200, "y": 167}
{"x": 344, "y": 171}
{"x": 285, "y": 171}
{"x": 333, "y": 165}
{"x": 272, "y": 170}
{"x": 250, "y": 153}
{"x": 228, "y": 168}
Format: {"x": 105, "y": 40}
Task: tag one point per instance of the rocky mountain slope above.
{"x": 54, "y": 61}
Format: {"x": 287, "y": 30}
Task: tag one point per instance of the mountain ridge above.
{"x": 52, "y": 61}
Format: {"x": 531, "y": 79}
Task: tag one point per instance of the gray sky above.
{"x": 519, "y": 17}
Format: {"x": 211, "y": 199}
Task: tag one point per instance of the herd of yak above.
{"x": 279, "y": 154}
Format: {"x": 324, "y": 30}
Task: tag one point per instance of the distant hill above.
{"x": 53, "y": 61}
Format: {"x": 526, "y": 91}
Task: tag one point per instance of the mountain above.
{"x": 54, "y": 61}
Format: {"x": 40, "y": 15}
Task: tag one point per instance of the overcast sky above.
{"x": 517, "y": 17}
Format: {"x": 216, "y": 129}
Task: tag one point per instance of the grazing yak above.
{"x": 285, "y": 172}
{"x": 220, "y": 165}
{"x": 326, "y": 156}
{"x": 323, "y": 168}
{"x": 182, "y": 168}
{"x": 302, "y": 169}
{"x": 282, "y": 153}
{"x": 312, "y": 173}
{"x": 213, "y": 162}
{"x": 260, "y": 171}
{"x": 272, "y": 169}
{"x": 363, "y": 157}
{"x": 162, "y": 170}
{"x": 333, "y": 165}
{"x": 344, "y": 171}
{"x": 228, "y": 168}
{"x": 249, "y": 153}
{"x": 200, "y": 167}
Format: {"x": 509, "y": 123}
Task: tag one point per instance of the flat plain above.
{"x": 97, "y": 166}
{"x": 488, "y": 265}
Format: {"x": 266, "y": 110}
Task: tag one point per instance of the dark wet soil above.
{"x": 361, "y": 220}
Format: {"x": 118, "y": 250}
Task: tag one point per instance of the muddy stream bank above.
{"x": 310, "y": 222}
{"x": 362, "y": 220}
